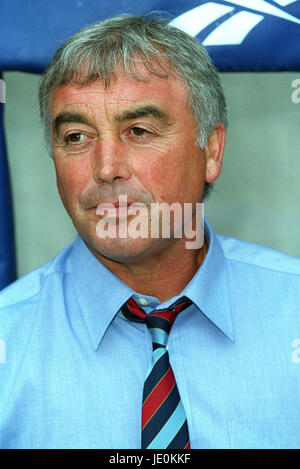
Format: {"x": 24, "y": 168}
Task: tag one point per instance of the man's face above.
{"x": 134, "y": 138}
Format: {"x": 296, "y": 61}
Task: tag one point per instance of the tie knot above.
{"x": 159, "y": 322}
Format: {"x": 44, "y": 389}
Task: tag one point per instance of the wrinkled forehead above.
{"x": 124, "y": 89}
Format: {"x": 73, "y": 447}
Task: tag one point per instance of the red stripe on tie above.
{"x": 135, "y": 309}
{"x": 188, "y": 446}
{"x": 157, "y": 396}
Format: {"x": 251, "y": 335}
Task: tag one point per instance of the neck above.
{"x": 163, "y": 276}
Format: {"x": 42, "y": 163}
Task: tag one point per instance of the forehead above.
{"x": 126, "y": 91}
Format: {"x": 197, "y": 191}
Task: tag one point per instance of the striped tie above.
{"x": 164, "y": 424}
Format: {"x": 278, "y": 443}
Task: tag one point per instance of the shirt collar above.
{"x": 209, "y": 288}
{"x": 101, "y": 294}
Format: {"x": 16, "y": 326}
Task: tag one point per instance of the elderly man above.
{"x": 135, "y": 117}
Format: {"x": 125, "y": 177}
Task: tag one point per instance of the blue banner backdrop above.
{"x": 240, "y": 35}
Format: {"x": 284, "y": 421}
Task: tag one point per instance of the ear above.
{"x": 214, "y": 150}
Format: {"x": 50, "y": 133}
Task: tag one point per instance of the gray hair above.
{"x": 102, "y": 50}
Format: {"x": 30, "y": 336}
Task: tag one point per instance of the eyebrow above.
{"x": 66, "y": 117}
{"x": 141, "y": 111}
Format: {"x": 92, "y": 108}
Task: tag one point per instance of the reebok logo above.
{"x": 232, "y": 26}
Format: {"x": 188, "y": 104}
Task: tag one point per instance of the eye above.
{"x": 139, "y": 133}
{"x": 74, "y": 138}
{"x": 77, "y": 141}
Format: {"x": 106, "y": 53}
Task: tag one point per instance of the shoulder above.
{"x": 28, "y": 287}
{"x": 259, "y": 257}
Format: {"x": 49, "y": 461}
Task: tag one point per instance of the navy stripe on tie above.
{"x": 156, "y": 345}
{"x": 160, "y": 417}
{"x": 158, "y": 323}
{"x": 159, "y": 370}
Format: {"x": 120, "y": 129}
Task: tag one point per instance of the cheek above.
{"x": 165, "y": 176}
{"x": 72, "y": 177}
{"x": 155, "y": 179}
{"x": 180, "y": 180}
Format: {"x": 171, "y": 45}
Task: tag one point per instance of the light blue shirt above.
{"x": 72, "y": 370}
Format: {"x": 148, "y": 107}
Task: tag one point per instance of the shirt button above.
{"x": 143, "y": 302}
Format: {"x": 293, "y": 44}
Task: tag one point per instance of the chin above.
{"x": 123, "y": 250}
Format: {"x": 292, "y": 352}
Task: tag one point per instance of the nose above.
{"x": 110, "y": 161}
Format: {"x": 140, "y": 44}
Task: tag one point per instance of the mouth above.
{"x": 115, "y": 209}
